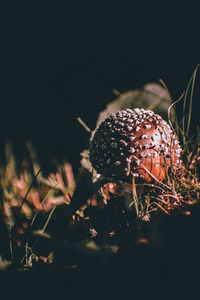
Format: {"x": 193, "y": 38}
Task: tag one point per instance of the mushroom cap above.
{"x": 134, "y": 142}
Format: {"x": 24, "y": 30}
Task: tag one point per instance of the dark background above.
{"x": 61, "y": 63}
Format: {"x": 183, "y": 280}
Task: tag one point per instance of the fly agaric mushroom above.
{"x": 134, "y": 142}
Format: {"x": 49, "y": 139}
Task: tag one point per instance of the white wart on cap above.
{"x": 134, "y": 142}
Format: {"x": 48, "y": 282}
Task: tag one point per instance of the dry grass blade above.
{"x": 35, "y": 177}
{"x": 49, "y": 218}
{"x": 135, "y": 198}
{"x": 190, "y": 84}
{"x": 84, "y": 125}
{"x": 191, "y": 98}
{"x": 169, "y": 110}
{"x": 41, "y": 204}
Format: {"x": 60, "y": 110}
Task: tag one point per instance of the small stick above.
{"x": 84, "y": 125}
{"x": 161, "y": 207}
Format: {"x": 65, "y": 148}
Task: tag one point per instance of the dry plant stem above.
{"x": 70, "y": 178}
{"x": 26, "y": 256}
{"x": 160, "y": 200}
{"x": 48, "y": 219}
{"x": 191, "y": 97}
{"x": 128, "y": 172}
{"x": 169, "y": 110}
{"x": 190, "y": 174}
{"x": 150, "y": 185}
{"x": 84, "y": 125}
{"x": 10, "y": 245}
{"x": 191, "y": 81}
{"x": 172, "y": 196}
{"x": 43, "y": 201}
{"x": 195, "y": 185}
{"x": 29, "y": 189}
{"x": 55, "y": 185}
{"x": 26, "y": 253}
{"x": 43, "y": 229}
{"x": 155, "y": 177}
{"x": 160, "y": 206}
{"x": 193, "y": 156}
{"x": 164, "y": 85}
{"x": 135, "y": 199}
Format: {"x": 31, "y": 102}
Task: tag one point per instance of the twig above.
{"x": 196, "y": 185}
{"x": 161, "y": 207}
{"x": 84, "y": 125}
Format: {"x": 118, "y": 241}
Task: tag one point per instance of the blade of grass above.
{"x": 135, "y": 198}
{"x": 184, "y": 104}
{"x": 48, "y": 219}
{"x": 43, "y": 201}
{"x": 170, "y": 107}
{"x": 35, "y": 177}
{"x": 191, "y": 100}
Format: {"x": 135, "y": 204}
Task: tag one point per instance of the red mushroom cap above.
{"x": 134, "y": 142}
